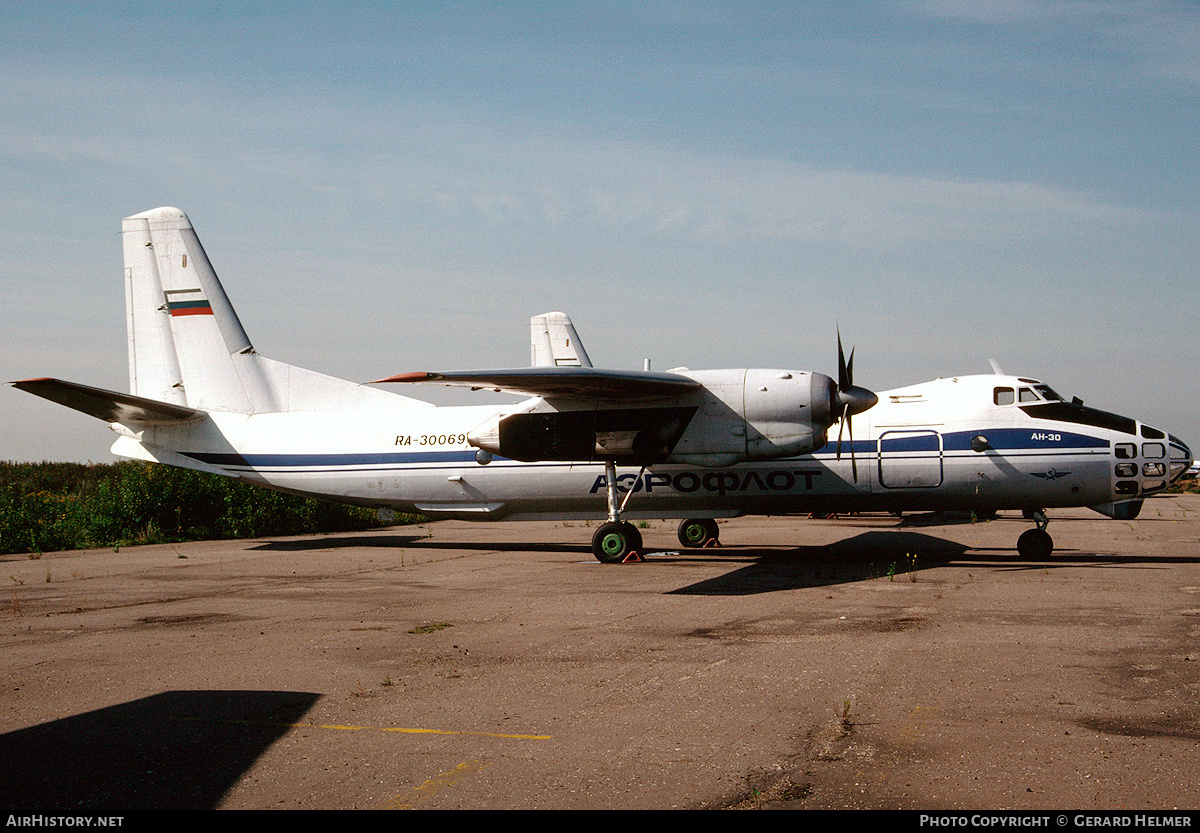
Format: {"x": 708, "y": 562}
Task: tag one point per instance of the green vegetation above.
{"x": 61, "y": 506}
{"x": 433, "y": 627}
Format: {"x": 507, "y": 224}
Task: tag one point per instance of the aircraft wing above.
{"x": 581, "y": 384}
{"x": 108, "y": 405}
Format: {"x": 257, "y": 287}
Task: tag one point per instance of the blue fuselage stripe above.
{"x": 1006, "y": 441}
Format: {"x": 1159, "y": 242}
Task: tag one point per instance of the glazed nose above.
{"x": 1181, "y": 458}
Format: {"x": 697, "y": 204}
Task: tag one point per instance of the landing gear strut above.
{"x": 1036, "y": 544}
{"x": 616, "y": 540}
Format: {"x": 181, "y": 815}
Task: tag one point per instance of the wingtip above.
{"x": 408, "y": 377}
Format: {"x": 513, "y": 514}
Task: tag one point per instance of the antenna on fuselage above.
{"x": 996, "y": 367}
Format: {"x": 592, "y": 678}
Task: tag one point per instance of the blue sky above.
{"x": 392, "y": 187}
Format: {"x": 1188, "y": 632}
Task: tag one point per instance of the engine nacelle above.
{"x": 737, "y": 415}
{"x": 628, "y": 435}
{"x": 756, "y": 415}
{"x": 787, "y": 412}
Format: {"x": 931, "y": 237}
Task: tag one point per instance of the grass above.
{"x": 62, "y": 506}
{"x": 433, "y": 627}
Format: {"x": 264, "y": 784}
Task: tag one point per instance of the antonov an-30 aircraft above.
{"x": 589, "y": 443}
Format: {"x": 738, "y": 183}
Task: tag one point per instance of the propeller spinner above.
{"x": 849, "y": 400}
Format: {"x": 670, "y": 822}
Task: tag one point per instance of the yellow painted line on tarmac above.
{"x": 409, "y": 798}
{"x": 344, "y": 727}
{"x": 464, "y": 732}
{"x": 415, "y": 731}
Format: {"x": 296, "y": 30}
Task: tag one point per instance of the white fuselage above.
{"x": 949, "y": 443}
{"x": 594, "y": 443}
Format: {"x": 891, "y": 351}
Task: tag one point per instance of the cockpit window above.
{"x": 1080, "y": 415}
{"x": 1035, "y": 393}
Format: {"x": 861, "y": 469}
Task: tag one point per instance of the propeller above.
{"x": 851, "y": 400}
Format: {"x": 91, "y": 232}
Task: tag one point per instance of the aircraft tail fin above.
{"x": 180, "y": 322}
{"x": 187, "y": 346}
{"x": 553, "y": 342}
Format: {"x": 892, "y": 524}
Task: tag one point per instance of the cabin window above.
{"x": 1047, "y": 393}
{"x": 1154, "y": 451}
{"x": 1154, "y": 469}
{"x": 1125, "y": 451}
{"x": 1004, "y": 396}
{"x": 1126, "y": 469}
{"x": 1027, "y": 395}
{"x": 1126, "y": 487}
{"x": 1149, "y": 433}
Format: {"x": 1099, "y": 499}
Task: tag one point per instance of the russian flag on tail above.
{"x": 187, "y": 302}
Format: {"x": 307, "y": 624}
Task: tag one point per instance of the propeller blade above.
{"x": 852, "y": 399}
{"x": 848, "y": 425}
{"x": 841, "y": 425}
{"x": 843, "y": 380}
{"x": 853, "y": 460}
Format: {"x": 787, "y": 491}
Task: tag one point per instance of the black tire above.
{"x": 613, "y": 542}
{"x": 697, "y": 532}
{"x": 1035, "y": 545}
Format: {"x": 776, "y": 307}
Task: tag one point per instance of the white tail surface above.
{"x": 186, "y": 344}
{"x": 553, "y": 342}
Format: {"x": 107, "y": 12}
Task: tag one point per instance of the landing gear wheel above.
{"x": 1035, "y": 544}
{"x": 697, "y": 532}
{"x": 614, "y": 541}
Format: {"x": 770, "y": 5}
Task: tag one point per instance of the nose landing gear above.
{"x": 1036, "y": 544}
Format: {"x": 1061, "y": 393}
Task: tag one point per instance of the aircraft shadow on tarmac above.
{"x": 179, "y": 750}
{"x": 871, "y": 555}
{"x": 889, "y": 549}
{"x": 417, "y": 542}
{"x": 329, "y": 542}
{"x": 892, "y": 556}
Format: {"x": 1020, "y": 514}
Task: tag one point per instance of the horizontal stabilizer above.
{"x": 108, "y": 405}
{"x": 572, "y": 383}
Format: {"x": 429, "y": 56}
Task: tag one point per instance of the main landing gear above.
{"x": 617, "y": 541}
{"x": 1036, "y": 544}
{"x": 698, "y": 532}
